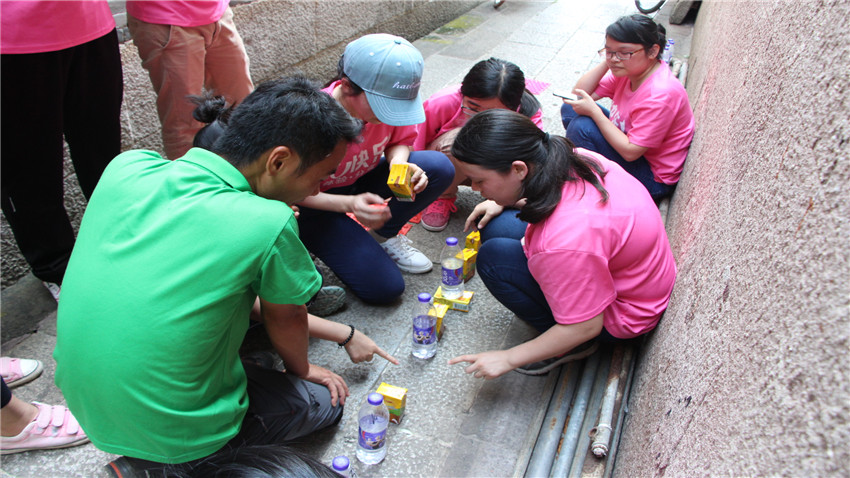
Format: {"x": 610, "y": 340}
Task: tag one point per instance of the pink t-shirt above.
{"x": 178, "y": 12}
{"x": 42, "y": 26}
{"x": 443, "y": 113}
{"x": 360, "y": 158}
{"x": 611, "y": 258}
{"x": 657, "y": 116}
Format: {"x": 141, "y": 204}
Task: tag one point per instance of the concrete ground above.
{"x": 455, "y": 425}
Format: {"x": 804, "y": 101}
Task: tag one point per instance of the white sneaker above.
{"x": 54, "y": 289}
{"x": 406, "y": 257}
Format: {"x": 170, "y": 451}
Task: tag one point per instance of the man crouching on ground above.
{"x": 170, "y": 258}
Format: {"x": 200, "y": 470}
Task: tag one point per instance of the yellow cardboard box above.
{"x": 396, "y": 400}
{"x": 473, "y": 240}
{"x": 461, "y": 303}
{"x": 469, "y": 256}
{"x": 439, "y": 310}
{"x": 400, "y": 183}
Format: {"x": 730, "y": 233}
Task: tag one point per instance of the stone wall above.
{"x": 747, "y": 373}
{"x": 282, "y": 37}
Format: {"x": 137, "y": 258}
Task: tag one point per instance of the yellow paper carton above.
{"x": 396, "y": 400}
{"x": 400, "y": 183}
{"x": 461, "y": 303}
{"x": 439, "y": 311}
{"x": 469, "y": 257}
{"x": 473, "y": 240}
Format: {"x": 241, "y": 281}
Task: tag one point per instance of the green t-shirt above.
{"x": 156, "y": 298}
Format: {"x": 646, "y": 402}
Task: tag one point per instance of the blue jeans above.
{"x": 503, "y": 268}
{"x": 584, "y": 133}
{"x": 348, "y": 249}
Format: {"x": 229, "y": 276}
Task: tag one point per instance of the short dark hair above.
{"x": 495, "y": 78}
{"x": 639, "y": 29}
{"x": 494, "y": 139}
{"x": 291, "y": 112}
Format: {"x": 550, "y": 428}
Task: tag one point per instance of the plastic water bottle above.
{"x": 667, "y": 55}
{"x": 452, "y": 280}
{"x": 342, "y": 466}
{"x": 424, "y": 328}
{"x": 372, "y": 433}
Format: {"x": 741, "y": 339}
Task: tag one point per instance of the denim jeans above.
{"x": 348, "y": 249}
{"x": 584, "y": 133}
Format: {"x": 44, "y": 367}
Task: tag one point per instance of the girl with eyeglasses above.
{"x": 489, "y": 84}
{"x": 594, "y": 264}
{"x": 650, "y": 125}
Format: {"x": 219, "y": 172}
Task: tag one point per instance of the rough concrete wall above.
{"x": 747, "y": 374}
{"x": 281, "y": 36}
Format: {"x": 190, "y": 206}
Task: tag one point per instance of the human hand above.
{"x": 486, "y": 365}
{"x": 482, "y": 214}
{"x": 371, "y": 210}
{"x": 335, "y": 384}
{"x": 585, "y": 105}
{"x": 363, "y": 349}
{"x": 418, "y": 178}
{"x": 295, "y": 211}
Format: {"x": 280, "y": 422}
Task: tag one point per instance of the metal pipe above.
{"x": 629, "y": 361}
{"x": 556, "y": 414}
{"x": 594, "y": 403}
{"x": 579, "y": 408}
{"x": 602, "y": 431}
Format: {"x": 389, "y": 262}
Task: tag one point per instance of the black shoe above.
{"x": 544, "y": 366}
{"x": 121, "y": 468}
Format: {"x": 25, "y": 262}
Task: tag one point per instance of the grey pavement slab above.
{"x": 455, "y": 425}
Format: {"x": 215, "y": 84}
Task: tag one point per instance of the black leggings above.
{"x": 7, "y": 394}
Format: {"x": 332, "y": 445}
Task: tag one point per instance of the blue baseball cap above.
{"x": 389, "y": 69}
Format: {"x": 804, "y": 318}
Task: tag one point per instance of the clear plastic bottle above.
{"x": 424, "y": 344}
{"x": 452, "y": 280}
{"x": 342, "y": 466}
{"x": 372, "y": 432}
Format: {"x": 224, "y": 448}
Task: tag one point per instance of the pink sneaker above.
{"x": 436, "y": 216}
{"x": 54, "y": 427}
{"x": 17, "y": 371}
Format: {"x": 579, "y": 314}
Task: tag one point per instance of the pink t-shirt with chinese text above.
{"x": 443, "y": 113}
{"x": 43, "y": 26}
{"x": 657, "y": 116}
{"x": 612, "y": 258}
{"x": 360, "y": 158}
{"x": 181, "y": 13}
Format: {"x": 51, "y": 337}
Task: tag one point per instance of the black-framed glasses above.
{"x": 469, "y": 111}
{"x": 621, "y": 55}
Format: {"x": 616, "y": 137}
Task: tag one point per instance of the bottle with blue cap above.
{"x": 373, "y": 419}
{"x": 424, "y": 344}
{"x": 452, "y": 274}
{"x": 342, "y": 466}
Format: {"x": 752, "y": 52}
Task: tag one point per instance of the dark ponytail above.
{"x": 639, "y": 29}
{"x": 494, "y": 139}
{"x": 215, "y": 112}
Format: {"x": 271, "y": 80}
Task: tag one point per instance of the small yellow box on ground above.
{"x": 400, "y": 183}
{"x": 469, "y": 256}
{"x": 461, "y": 303}
{"x": 473, "y": 240}
{"x": 439, "y": 310}
{"x": 396, "y": 400}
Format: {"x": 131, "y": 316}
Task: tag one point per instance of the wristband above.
{"x": 342, "y": 344}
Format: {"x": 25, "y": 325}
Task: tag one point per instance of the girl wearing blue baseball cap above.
{"x": 378, "y": 83}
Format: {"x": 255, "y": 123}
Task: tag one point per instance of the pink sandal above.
{"x": 17, "y": 371}
{"x": 54, "y": 427}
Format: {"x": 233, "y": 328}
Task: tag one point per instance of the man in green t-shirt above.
{"x": 169, "y": 261}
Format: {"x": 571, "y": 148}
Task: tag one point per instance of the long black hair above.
{"x": 494, "y": 139}
{"x": 495, "y": 78}
{"x": 639, "y": 29}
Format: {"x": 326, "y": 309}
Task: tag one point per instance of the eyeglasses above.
{"x": 469, "y": 111}
{"x": 621, "y": 55}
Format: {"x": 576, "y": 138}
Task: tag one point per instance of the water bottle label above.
{"x": 372, "y": 441}
{"x": 424, "y": 335}
{"x": 452, "y": 276}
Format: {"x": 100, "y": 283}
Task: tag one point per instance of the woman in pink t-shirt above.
{"x": 491, "y": 83}
{"x": 594, "y": 264}
{"x": 650, "y": 126}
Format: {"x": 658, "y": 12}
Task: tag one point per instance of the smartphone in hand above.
{"x": 566, "y": 96}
